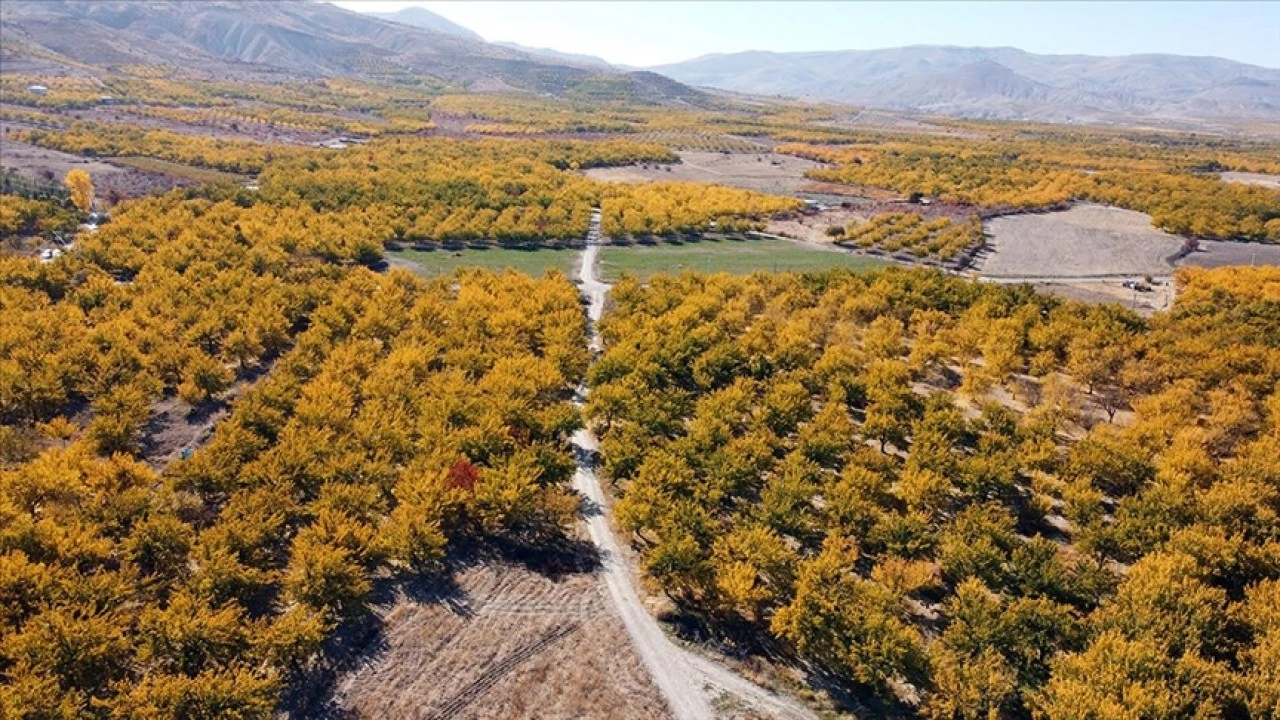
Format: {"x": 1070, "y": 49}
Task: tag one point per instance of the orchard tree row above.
{"x": 893, "y": 232}
{"x": 398, "y": 420}
{"x": 970, "y": 498}
{"x": 510, "y": 191}
{"x": 1168, "y": 185}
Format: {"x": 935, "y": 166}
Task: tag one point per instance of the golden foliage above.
{"x": 785, "y": 458}
{"x": 80, "y": 185}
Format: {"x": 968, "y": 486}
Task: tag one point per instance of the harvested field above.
{"x": 1084, "y": 241}
{"x": 51, "y": 166}
{"x": 507, "y": 642}
{"x": 41, "y": 164}
{"x": 763, "y": 172}
{"x": 1271, "y": 181}
{"x": 1215, "y": 253}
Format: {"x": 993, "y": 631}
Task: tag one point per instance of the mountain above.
{"x": 564, "y": 57}
{"x": 427, "y": 20}
{"x": 295, "y": 38}
{"x": 999, "y": 82}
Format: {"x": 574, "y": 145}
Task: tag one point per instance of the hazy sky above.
{"x": 650, "y": 33}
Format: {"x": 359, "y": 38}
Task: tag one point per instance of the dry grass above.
{"x": 509, "y": 643}
{"x": 1085, "y": 241}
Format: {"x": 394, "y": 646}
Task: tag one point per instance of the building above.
{"x": 37, "y": 89}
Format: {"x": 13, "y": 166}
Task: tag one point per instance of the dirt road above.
{"x": 687, "y": 681}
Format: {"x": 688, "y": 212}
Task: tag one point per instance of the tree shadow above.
{"x": 749, "y": 645}
{"x": 311, "y": 693}
{"x": 362, "y": 640}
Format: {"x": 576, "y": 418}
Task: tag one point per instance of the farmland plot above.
{"x": 1084, "y": 241}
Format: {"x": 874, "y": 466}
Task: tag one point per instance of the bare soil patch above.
{"x": 1112, "y": 291}
{"x": 1216, "y": 253}
{"x": 507, "y": 642}
{"x": 45, "y": 166}
{"x": 1085, "y": 241}
{"x": 763, "y": 172}
{"x": 1271, "y": 181}
{"x": 812, "y": 227}
{"x": 176, "y": 427}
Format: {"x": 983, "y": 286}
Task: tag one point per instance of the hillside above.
{"x": 564, "y": 57}
{"x": 1003, "y": 83}
{"x": 423, "y": 18}
{"x": 295, "y": 37}
{"x": 427, "y": 20}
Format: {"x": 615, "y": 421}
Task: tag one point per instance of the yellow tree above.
{"x": 81, "y": 187}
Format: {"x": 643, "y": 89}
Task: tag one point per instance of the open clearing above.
{"x": 812, "y": 228}
{"x": 763, "y": 172}
{"x": 739, "y": 257}
{"x": 44, "y": 166}
{"x": 1160, "y": 296}
{"x": 504, "y": 642}
{"x": 1085, "y": 241}
{"x": 1271, "y": 181}
{"x": 1215, "y": 253}
{"x": 535, "y": 262}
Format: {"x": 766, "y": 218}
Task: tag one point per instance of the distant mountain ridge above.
{"x": 566, "y": 57}
{"x": 1004, "y": 83}
{"x": 221, "y": 38}
{"x": 424, "y": 18}
{"x": 427, "y": 20}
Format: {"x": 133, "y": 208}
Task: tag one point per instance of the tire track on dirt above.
{"x": 477, "y": 688}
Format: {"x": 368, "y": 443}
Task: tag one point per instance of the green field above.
{"x": 531, "y": 262}
{"x": 740, "y": 257}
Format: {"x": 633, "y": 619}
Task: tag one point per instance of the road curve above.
{"x": 687, "y": 681}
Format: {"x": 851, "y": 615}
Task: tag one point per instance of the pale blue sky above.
{"x": 649, "y": 33}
